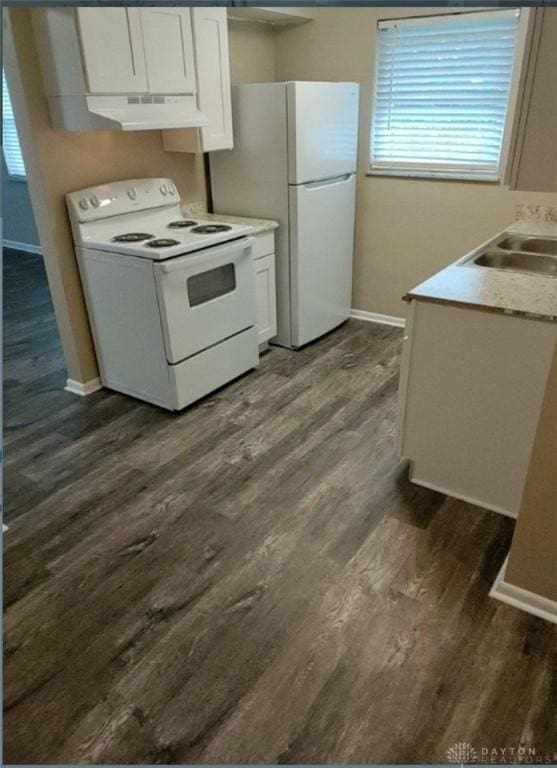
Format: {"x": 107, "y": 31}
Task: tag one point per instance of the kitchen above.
{"x": 279, "y": 502}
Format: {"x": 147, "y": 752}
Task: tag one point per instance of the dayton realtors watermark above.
{"x": 463, "y": 753}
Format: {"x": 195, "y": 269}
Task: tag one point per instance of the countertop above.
{"x": 259, "y": 225}
{"x": 495, "y": 289}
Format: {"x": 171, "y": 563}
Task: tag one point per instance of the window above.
{"x": 442, "y": 91}
{"x": 10, "y": 140}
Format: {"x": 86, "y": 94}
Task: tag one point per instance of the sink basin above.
{"x": 517, "y": 262}
{"x": 544, "y": 245}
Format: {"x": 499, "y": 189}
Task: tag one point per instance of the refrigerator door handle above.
{"x": 328, "y": 182}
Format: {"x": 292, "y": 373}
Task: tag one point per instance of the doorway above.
{"x": 33, "y": 358}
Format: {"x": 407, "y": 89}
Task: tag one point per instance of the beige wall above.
{"x": 405, "y": 229}
{"x": 538, "y": 169}
{"x": 252, "y": 52}
{"x": 58, "y": 162}
{"x": 532, "y": 561}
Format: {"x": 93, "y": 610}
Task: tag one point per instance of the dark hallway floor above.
{"x": 253, "y": 580}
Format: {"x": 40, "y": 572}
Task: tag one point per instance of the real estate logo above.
{"x": 462, "y": 753}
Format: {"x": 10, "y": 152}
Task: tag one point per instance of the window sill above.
{"x": 10, "y": 177}
{"x": 433, "y": 176}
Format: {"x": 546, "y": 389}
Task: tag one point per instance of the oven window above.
{"x": 211, "y": 284}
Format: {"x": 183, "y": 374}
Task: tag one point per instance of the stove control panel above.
{"x": 121, "y": 197}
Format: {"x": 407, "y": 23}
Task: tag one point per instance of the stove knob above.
{"x": 164, "y": 189}
{"x": 132, "y": 193}
{"x": 83, "y": 204}
{"x": 95, "y": 202}
{"x": 172, "y": 189}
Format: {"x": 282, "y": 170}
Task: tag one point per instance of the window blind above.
{"x": 441, "y": 95}
{"x": 10, "y": 141}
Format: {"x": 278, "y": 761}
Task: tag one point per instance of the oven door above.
{"x": 206, "y": 297}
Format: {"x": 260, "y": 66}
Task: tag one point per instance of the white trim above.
{"x": 4, "y": 528}
{"x": 406, "y": 172}
{"x": 456, "y": 172}
{"x": 17, "y": 246}
{"x": 376, "y": 317}
{"x": 441, "y": 15}
{"x": 522, "y": 599}
{"x": 519, "y": 66}
{"x": 83, "y": 388}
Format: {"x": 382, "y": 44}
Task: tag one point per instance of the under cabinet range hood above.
{"x": 118, "y": 68}
{"x": 125, "y": 113}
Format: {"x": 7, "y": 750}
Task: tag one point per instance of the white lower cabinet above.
{"x": 265, "y": 288}
{"x": 471, "y": 389}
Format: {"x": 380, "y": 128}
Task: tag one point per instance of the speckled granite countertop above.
{"x": 259, "y": 225}
{"x": 497, "y": 290}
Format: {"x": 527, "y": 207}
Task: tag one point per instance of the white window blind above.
{"x": 10, "y": 141}
{"x": 441, "y": 96}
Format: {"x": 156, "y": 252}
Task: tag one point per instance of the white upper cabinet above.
{"x": 210, "y": 35}
{"x": 137, "y": 68}
{"x": 168, "y": 43}
{"x": 112, "y": 47}
{"x": 213, "y": 71}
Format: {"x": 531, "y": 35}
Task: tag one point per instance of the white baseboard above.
{"x": 17, "y": 246}
{"x": 83, "y": 388}
{"x": 520, "y": 598}
{"x": 375, "y": 317}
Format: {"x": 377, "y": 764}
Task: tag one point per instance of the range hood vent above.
{"x": 125, "y": 113}
{"x": 150, "y": 99}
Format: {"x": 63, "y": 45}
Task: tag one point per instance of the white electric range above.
{"x": 171, "y": 299}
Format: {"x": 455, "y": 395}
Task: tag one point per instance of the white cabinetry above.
{"x": 210, "y": 33}
{"x": 265, "y": 287}
{"x": 110, "y": 68}
{"x": 112, "y": 35}
{"x": 141, "y": 50}
{"x": 168, "y": 41}
{"x": 471, "y": 389}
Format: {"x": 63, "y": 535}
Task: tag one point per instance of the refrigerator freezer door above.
{"x": 321, "y": 253}
{"x": 322, "y": 130}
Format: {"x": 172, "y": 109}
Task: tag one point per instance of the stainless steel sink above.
{"x": 518, "y": 262}
{"x": 545, "y": 245}
{"x": 517, "y": 253}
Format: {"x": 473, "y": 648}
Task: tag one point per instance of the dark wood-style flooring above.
{"x": 253, "y": 580}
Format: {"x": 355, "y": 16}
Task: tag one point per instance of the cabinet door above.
{"x": 210, "y": 29}
{"x": 112, "y": 48}
{"x": 168, "y": 41}
{"x": 265, "y": 296}
{"x": 475, "y": 385}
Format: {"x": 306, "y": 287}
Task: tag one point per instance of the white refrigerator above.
{"x": 294, "y": 160}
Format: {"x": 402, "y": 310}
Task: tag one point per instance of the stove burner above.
{"x": 211, "y": 229}
{"x": 182, "y": 223}
{"x": 132, "y": 237}
{"x": 162, "y": 242}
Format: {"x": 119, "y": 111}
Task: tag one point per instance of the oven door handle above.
{"x": 216, "y": 255}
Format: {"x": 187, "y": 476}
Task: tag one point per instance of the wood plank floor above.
{"x": 253, "y": 580}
